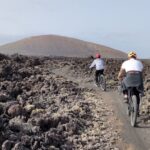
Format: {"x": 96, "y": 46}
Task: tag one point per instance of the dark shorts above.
{"x": 97, "y": 73}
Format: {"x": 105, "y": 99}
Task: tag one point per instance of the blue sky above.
{"x": 120, "y": 24}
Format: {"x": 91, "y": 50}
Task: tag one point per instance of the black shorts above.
{"x": 99, "y": 72}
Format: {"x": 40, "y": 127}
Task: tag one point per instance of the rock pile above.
{"x": 42, "y": 110}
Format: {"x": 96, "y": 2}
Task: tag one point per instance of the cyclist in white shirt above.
{"x": 98, "y": 63}
{"x": 132, "y": 68}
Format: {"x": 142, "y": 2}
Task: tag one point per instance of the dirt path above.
{"x": 127, "y": 137}
{"x": 139, "y": 136}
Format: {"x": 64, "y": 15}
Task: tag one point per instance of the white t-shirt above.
{"x": 99, "y": 63}
{"x": 132, "y": 65}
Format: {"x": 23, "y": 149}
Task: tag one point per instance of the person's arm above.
{"x": 121, "y": 74}
{"x": 142, "y": 66}
{"x": 122, "y": 71}
{"x": 92, "y": 65}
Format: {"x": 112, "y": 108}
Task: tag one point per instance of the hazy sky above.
{"x": 120, "y": 24}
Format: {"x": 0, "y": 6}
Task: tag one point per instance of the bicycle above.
{"x": 102, "y": 82}
{"x": 134, "y": 97}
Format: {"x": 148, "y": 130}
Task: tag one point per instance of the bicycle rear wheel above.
{"x": 134, "y": 109}
{"x": 102, "y": 82}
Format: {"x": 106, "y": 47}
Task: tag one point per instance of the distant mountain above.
{"x": 52, "y": 45}
{"x": 146, "y": 61}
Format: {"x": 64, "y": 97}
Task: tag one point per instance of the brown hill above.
{"x": 146, "y": 61}
{"x": 52, "y": 45}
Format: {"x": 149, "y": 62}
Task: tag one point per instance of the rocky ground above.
{"x": 40, "y": 109}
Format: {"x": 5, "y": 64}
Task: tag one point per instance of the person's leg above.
{"x": 101, "y": 71}
{"x": 141, "y": 88}
{"x": 124, "y": 89}
{"x": 137, "y": 93}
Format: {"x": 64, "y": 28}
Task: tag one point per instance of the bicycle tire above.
{"x": 102, "y": 82}
{"x": 134, "y": 108}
